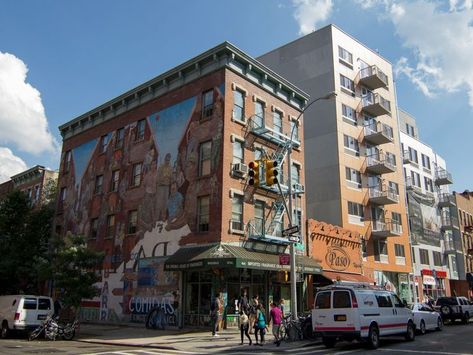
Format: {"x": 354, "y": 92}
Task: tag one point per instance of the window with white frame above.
{"x": 437, "y": 258}
{"x": 396, "y": 218}
{"x": 393, "y": 187}
{"x": 429, "y": 186}
{"x": 203, "y": 213}
{"x": 381, "y": 251}
{"x": 205, "y": 152}
{"x": 345, "y": 55}
{"x": 355, "y": 209}
{"x": 353, "y": 177}
{"x": 296, "y": 174}
{"x": 424, "y": 256}
{"x": 294, "y": 129}
{"x": 259, "y": 114}
{"x": 426, "y": 162}
{"x": 347, "y": 84}
{"x": 415, "y": 179}
{"x": 238, "y": 105}
{"x": 237, "y": 212}
{"x": 400, "y": 254}
{"x": 413, "y": 155}
{"x": 259, "y": 217}
{"x": 349, "y": 113}
{"x": 238, "y": 151}
{"x": 410, "y": 130}
{"x": 277, "y": 121}
{"x": 351, "y": 143}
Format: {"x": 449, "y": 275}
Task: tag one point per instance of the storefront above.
{"x": 227, "y": 270}
{"x": 394, "y": 281}
{"x": 432, "y": 284}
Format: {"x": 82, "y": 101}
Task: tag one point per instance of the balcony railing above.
{"x": 449, "y": 222}
{"x": 383, "y": 195}
{"x": 443, "y": 177}
{"x": 378, "y": 133}
{"x": 373, "y": 77}
{"x": 407, "y": 158}
{"x": 411, "y": 185}
{"x": 258, "y": 127}
{"x": 380, "y": 163}
{"x": 375, "y": 105}
{"x": 446, "y": 200}
{"x": 385, "y": 228}
{"x": 448, "y": 245}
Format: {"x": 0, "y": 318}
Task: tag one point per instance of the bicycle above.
{"x": 290, "y": 330}
{"x": 155, "y": 319}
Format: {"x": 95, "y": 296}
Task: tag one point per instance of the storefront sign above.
{"x": 284, "y": 259}
{"x": 428, "y": 280}
{"x": 337, "y": 259}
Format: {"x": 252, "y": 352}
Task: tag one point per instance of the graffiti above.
{"x": 142, "y": 305}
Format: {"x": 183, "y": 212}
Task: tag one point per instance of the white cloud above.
{"x": 23, "y": 121}
{"x": 10, "y": 164}
{"x": 309, "y": 13}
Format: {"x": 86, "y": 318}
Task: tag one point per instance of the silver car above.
{"x": 426, "y": 318}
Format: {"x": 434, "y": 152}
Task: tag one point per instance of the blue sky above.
{"x": 58, "y": 59}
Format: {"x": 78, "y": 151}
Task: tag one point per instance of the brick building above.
{"x": 156, "y": 178}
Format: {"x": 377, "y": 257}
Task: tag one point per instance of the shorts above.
{"x": 275, "y": 330}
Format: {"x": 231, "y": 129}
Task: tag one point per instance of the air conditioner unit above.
{"x": 298, "y": 187}
{"x": 240, "y": 168}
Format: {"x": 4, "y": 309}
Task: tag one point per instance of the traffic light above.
{"x": 271, "y": 172}
{"x": 254, "y": 173}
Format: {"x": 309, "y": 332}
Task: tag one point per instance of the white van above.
{"x": 349, "y": 312}
{"x": 23, "y": 312}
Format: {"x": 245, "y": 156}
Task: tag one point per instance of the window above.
{"x": 323, "y": 300}
{"x": 351, "y": 143}
{"x": 238, "y": 105}
{"x": 36, "y": 193}
{"x": 424, "y": 256}
{"x": 397, "y": 301}
{"x": 203, "y": 212}
{"x": 347, "y": 84}
{"x": 353, "y": 177}
{"x": 140, "y": 130}
{"x": 341, "y": 299}
{"x": 415, "y": 179}
{"x": 295, "y": 174}
{"x": 44, "y": 303}
{"x": 259, "y": 114}
{"x": 399, "y": 250}
{"x": 391, "y": 158}
{"x": 410, "y": 130}
{"x": 119, "y": 138}
{"x": 99, "y": 184}
{"x": 425, "y": 161}
{"x": 259, "y": 217}
{"x": 94, "y": 228}
{"x": 103, "y": 143}
{"x": 67, "y": 161}
{"x": 204, "y": 158}
{"x": 237, "y": 212}
{"x": 437, "y": 258}
{"x": 380, "y": 251}
{"x": 207, "y": 103}
{"x": 384, "y": 300}
{"x": 413, "y": 155}
{"x": 396, "y": 217}
{"x": 345, "y": 55}
{"x": 393, "y": 187}
{"x": 355, "y": 209}
{"x": 29, "y": 303}
{"x": 348, "y": 113}
{"x": 277, "y": 121}
{"x": 115, "y": 180}
{"x": 294, "y": 130}
{"x": 413, "y": 254}
{"x": 132, "y": 221}
{"x": 110, "y": 226}
{"x": 136, "y": 175}
{"x": 237, "y": 152}
{"x": 429, "y": 186}
{"x": 63, "y": 194}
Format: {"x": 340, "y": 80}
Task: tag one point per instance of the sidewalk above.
{"x": 195, "y": 341}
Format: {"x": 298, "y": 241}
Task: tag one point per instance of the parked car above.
{"x": 360, "y": 312}
{"x": 453, "y": 308}
{"x": 426, "y": 318}
{"x": 23, "y": 313}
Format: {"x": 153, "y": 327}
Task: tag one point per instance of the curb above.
{"x": 164, "y": 347}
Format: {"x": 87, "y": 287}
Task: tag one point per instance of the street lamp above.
{"x": 328, "y": 96}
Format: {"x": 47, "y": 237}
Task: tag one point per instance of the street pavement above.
{"x": 455, "y": 339}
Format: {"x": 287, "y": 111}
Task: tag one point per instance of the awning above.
{"x": 346, "y": 277}
{"x": 223, "y": 255}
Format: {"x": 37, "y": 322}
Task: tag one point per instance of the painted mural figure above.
{"x": 164, "y": 183}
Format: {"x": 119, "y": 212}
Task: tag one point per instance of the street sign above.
{"x": 284, "y": 259}
{"x": 294, "y": 238}
{"x": 290, "y": 231}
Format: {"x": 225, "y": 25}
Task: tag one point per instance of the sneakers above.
{"x": 215, "y": 335}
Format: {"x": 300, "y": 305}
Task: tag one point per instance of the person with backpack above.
{"x": 252, "y": 312}
{"x": 260, "y": 324}
{"x": 214, "y": 314}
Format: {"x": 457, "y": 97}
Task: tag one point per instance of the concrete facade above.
{"x": 353, "y": 165}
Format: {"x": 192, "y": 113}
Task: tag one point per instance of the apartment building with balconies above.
{"x": 433, "y": 224}
{"x": 354, "y": 176}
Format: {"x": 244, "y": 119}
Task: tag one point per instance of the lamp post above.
{"x": 290, "y": 212}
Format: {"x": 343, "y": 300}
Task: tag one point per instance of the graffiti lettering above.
{"x": 142, "y": 305}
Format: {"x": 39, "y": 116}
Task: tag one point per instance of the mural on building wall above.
{"x": 164, "y": 159}
{"x": 424, "y": 219}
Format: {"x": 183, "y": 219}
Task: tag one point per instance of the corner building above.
{"x": 354, "y": 176}
{"x": 157, "y": 179}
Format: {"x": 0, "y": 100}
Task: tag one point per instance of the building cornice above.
{"x": 225, "y": 55}
{"x": 28, "y": 175}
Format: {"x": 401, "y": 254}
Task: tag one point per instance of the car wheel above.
{"x": 411, "y": 332}
{"x": 466, "y": 318}
{"x": 439, "y": 323}
{"x": 422, "y": 327}
{"x": 445, "y": 310}
{"x": 329, "y": 342}
{"x": 373, "y": 337}
{"x": 5, "y": 331}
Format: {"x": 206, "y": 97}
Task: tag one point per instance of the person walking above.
{"x": 275, "y": 318}
{"x": 260, "y": 325}
{"x": 252, "y": 312}
{"x": 281, "y": 306}
{"x": 243, "y": 302}
{"x": 214, "y": 314}
{"x": 244, "y": 325}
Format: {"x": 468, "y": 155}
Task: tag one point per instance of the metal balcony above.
{"x": 449, "y": 222}
{"x": 380, "y": 164}
{"x": 375, "y": 105}
{"x": 263, "y": 131}
{"x": 378, "y": 133}
{"x": 386, "y": 228}
{"x": 373, "y": 78}
{"x": 446, "y": 200}
{"x": 382, "y": 195}
{"x": 443, "y": 177}
{"x": 255, "y": 231}
{"x": 449, "y": 246}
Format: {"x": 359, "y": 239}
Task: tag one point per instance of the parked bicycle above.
{"x": 52, "y": 329}
{"x": 156, "y": 319}
{"x": 290, "y": 330}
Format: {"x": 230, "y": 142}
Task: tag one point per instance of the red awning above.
{"x": 440, "y": 274}
{"x": 342, "y": 276}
